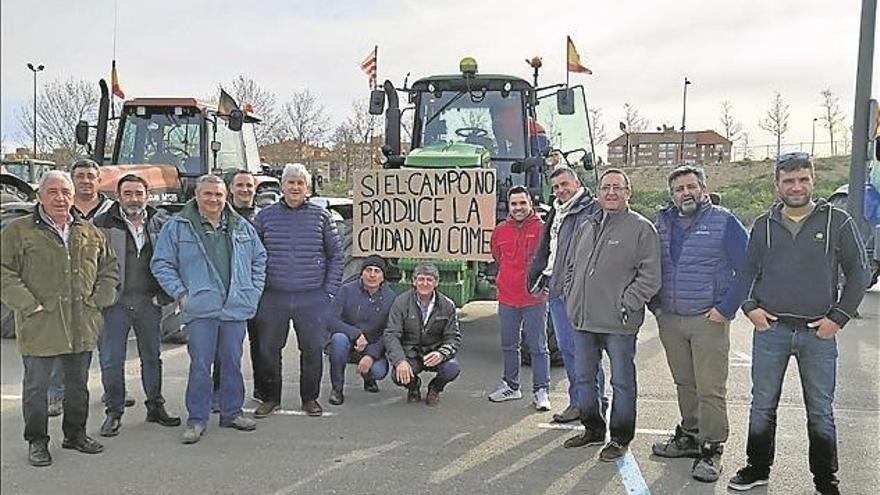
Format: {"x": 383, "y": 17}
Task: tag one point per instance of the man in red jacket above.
{"x": 514, "y": 242}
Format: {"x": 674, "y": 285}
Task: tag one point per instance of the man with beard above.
{"x": 792, "y": 261}
{"x": 132, "y": 227}
{"x": 514, "y": 242}
{"x": 702, "y": 246}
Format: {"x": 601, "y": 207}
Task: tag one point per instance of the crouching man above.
{"x": 423, "y": 335}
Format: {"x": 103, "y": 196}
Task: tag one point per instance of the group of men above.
{"x": 595, "y": 266}
{"x": 598, "y": 266}
{"x": 77, "y": 285}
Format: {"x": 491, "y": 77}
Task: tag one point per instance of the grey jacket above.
{"x": 612, "y": 272}
{"x": 406, "y": 336}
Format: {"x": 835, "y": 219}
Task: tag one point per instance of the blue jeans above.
{"x": 447, "y": 372}
{"x": 144, "y": 316}
{"x": 533, "y": 321}
{"x": 207, "y": 337}
{"x": 817, "y": 365}
{"x": 306, "y": 309}
{"x": 340, "y": 355}
{"x": 621, "y": 351}
{"x": 565, "y": 340}
{"x": 55, "y": 392}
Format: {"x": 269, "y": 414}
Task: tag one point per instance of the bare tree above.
{"x": 634, "y": 122}
{"x": 60, "y": 105}
{"x": 776, "y": 120}
{"x": 597, "y": 128}
{"x": 744, "y": 146}
{"x": 732, "y": 128}
{"x": 353, "y": 140}
{"x": 832, "y": 116}
{"x": 246, "y": 91}
{"x": 306, "y": 120}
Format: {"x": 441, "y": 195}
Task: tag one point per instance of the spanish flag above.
{"x": 116, "y": 89}
{"x": 574, "y": 60}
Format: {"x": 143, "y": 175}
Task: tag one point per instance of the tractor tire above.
{"x": 552, "y": 346}
{"x": 172, "y": 331}
{"x": 351, "y": 266}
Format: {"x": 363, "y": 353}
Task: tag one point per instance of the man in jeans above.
{"x": 612, "y": 273}
{"x": 793, "y": 257}
{"x": 702, "y": 247}
{"x": 514, "y": 242}
{"x": 573, "y": 204}
{"x": 131, "y": 227}
{"x": 211, "y": 261}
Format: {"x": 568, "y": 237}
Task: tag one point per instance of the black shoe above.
{"x": 612, "y": 451}
{"x": 587, "y": 438}
{"x": 570, "y": 414}
{"x": 38, "y": 454}
{"x": 681, "y": 444}
{"x": 748, "y": 478}
{"x": 111, "y": 426}
{"x": 129, "y": 402}
{"x": 432, "y": 399}
{"x": 158, "y": 414}
{"x": 414, "y": 390}
{"x": 312, "y": 408}
{"x": 371, "y": 386}
{"x": 84, "y": 444}
{"x": 336, "y": 397}
{"x": 266, "y": 408}
{"x": 827, "y": 489}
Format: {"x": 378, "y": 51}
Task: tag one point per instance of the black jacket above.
{"x": 796, "y": 276}
{"x": 406, "y": 336}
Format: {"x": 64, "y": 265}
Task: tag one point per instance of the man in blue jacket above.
{"x": 211, "y": 261}
{"x": 304, "y": 271}
{"x": 792, "y": 262}
{"x": 702, "y": 246}
{"x": 356, "y": 321}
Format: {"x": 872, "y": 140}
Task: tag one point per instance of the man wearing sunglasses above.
{"x": 793, "y": 257}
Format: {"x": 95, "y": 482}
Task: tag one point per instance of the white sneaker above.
{"x": 504, "y": 392}
{"x": 542, "y": 400}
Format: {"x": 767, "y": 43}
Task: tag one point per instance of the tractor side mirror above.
{"x": 377, "y": 102}
{"x": 236, "y": 120}
{"x": 215, "y": 146}
{"x": 587, "y": 161}
{"x": 565, "y": 101}
{"x": 82, "y": 133}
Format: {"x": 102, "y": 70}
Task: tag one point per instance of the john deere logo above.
{"x": 819, "y": 237}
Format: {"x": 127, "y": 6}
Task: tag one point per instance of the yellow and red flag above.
{"x": 370, "y": 64}
{"x": 115, "y": 88}
{"x": 574, "y": 60}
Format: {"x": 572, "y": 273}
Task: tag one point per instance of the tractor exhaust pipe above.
{"x": 101, "y": 130}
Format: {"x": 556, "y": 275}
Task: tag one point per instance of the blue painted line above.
{"x": 632, "y": 475}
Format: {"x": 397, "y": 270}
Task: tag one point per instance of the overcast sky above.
{"x": 639, "y": 51}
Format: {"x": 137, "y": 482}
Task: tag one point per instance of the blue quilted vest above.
{"x": 696, "y": 283}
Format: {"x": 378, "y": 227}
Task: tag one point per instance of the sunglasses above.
{"x": 788, "y": 159}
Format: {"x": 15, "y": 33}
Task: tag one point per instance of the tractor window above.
{"x": 161, "y": 138}
{"x": 493, "y": 121}
{"x": 231, "y": 154}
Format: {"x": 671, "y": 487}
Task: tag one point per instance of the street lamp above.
{"x": 813, "y": 142}
{"x": 35, "y": 70}
{"x": 626, "y": 149}
{"x": 683, "y": 118}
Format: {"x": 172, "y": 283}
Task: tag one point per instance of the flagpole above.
{"x": 567, "y": 72}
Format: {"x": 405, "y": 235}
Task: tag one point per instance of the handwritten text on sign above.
{"x": 446, "y": 213}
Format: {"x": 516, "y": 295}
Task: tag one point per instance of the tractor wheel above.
{"x": 172, "y": 330}
{"x": 351, "y": 266}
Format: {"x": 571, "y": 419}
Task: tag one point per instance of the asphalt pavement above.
{"x": 377, "y": 443}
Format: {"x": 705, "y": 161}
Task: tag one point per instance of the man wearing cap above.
{"x": 792, "y": 262}
{"x": 356, "y": 320}
{"x": 423, "y": 335}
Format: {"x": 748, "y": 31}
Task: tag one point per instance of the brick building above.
{"x": 662, "y": 148}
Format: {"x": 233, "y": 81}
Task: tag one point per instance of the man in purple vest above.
{"x": 702, "y": 246}
{"x": 303, "y": 273}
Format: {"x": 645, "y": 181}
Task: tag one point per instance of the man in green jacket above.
{"x": 57, "y": 273}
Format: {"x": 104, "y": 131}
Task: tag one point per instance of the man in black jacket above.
{"x": 423, "y": 335}
{"x": 794, "y": 253}
{"x": 131, "y": 227}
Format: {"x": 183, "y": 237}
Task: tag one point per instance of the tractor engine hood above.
{"x": 163, "y": 179}
{"x": 448, "y": 155}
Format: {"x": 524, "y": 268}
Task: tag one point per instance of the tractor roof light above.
{"x": 468, "y": 66}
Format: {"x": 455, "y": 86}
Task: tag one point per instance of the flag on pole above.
{"x": 369, "y": 66}
{"x": 574, "y": 60}
{"x": 226, "y": 104}
{"x": 116, "y": 89}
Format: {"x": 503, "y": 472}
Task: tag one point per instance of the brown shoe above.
{"x": 312, "y": 408}
{"x": 266, "y": 408}
{"x": 432, "y": 399}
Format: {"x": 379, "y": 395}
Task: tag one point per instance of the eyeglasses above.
{"x": 799, "y": 156}
{"x": 613, "y": 187}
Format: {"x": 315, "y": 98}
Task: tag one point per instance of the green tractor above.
{"x": 484, "y": 121}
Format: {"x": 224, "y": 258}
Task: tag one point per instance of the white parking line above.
{"x": 579, "y": 427}
{"x": 290, "y": 412}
